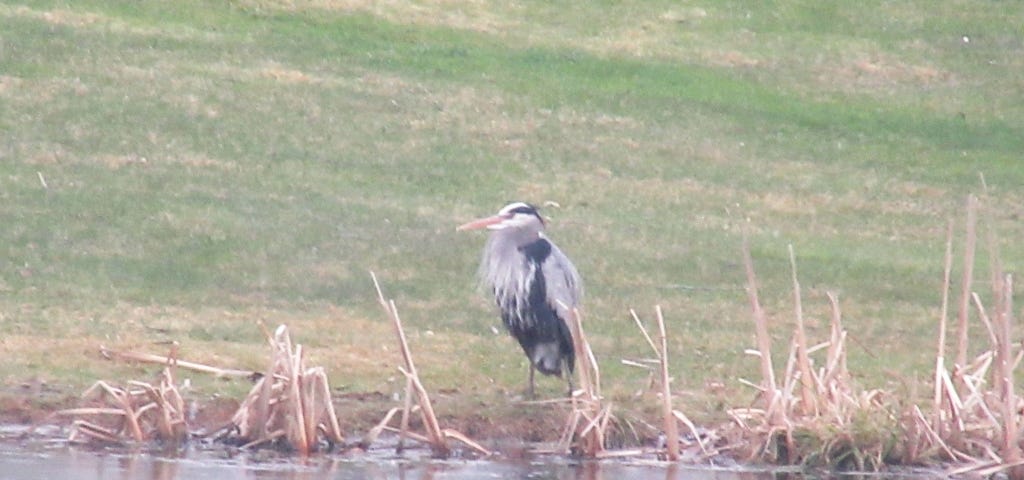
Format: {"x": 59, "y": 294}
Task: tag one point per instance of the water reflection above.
{"x": 19, "y": 462}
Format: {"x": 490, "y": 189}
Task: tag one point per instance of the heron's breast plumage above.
{"x": 511, "y": 276}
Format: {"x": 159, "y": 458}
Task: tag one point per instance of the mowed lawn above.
{"x": 180, "y": 171}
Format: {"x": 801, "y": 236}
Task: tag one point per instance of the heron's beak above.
{"x": 488, "y": 222}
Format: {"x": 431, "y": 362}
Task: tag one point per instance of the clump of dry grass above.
{"x": 818, "y": 416}
{"x": 436, "y": 436}
{"x": 809, "y": 415}
{"x": 290, "y": 405}
{"x": 135, "y": 413}
{"x": 975, "y": 412}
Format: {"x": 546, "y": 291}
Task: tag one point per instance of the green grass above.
{"x": 208, "y": 165}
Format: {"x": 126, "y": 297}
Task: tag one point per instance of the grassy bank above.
{"x": 180, "y": 170}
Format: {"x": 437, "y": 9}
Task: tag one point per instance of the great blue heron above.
{"x": 535, "y": 286}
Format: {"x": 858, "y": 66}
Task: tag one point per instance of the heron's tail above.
{"x": 547, "y": 357}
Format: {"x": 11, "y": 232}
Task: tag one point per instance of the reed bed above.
{"x": 290, "y": 406}
{"x": 135, "y": 413}
{"x": 816, "y": 415}
{"x": 975, "y": 415}
{"x": 811, "y": 413}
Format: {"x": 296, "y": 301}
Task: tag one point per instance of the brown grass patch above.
{"x": 730, "y": 59}
{"x": 474, "y": 15}
{"x": 95, "y": 21}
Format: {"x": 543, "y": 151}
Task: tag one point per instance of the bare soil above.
{"x": 508, "y": 423}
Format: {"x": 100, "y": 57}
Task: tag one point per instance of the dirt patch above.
{"x": 502, "y": 421}
{"x": 880, "y": 72}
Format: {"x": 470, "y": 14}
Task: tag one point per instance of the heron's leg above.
{"x": 529, "y": 386}
{"x": 568, "y": 379}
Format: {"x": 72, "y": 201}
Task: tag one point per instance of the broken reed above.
{"x": 436, "y": 437}
{"x": 290, "y": 406}
{"x": 671, "y": 417}
{"x": 138, "y": 412}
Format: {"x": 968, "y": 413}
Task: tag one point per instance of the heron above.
{"x": 535, "y": 286}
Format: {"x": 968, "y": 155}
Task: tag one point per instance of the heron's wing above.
{"x": 564, "y": 287}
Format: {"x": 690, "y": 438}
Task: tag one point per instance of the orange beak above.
{"x": 481, "y": 223}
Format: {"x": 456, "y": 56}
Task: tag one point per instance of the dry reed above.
{"x": 290, "y": 406}
{"x": 161, "y": 359}
{"x": 701, "y": 448}
{"x": 436, "y": 436}
{"x": 135, "y": 413}
{"x": 812, "y": 415}
{"x": 976, "y": 414}
{"x": 586, "y": 428}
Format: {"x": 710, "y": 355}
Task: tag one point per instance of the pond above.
{"x": 50, "y": 457}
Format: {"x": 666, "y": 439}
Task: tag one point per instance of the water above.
{"x": 50, "y": 457}
{"x": 72, "y": 463}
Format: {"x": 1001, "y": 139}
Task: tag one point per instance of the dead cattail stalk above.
{"x": 807, "y": 397}
{"x": 940, "y": 359}
{"x": 968, "y": 275}
{"x": 139, "y": 412}
{"x": 1010, "y": 448}
{"x": 670, "y": 425}
{"x": 835, "y": 365}
{"x": 371, "y": 436}
{"x": 436, "y": 437}
{"x": 163, "y": 360}
{"x": 977, "y": 412}
{"x": 438, "y": 443}
{"x": 670, "y": 416}
{"x": 643, "y": 330}
{"x": 770, "y": 390}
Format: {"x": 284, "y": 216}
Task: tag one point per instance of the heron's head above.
{"x": 517, "y": 215}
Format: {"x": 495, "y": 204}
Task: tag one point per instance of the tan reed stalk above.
{"x": 643, "y": 330}
{"x": 940, "y": 358}
{"x": 835, "y": 367}
{"x": 995, "y": 265}
{"x": 808, "y": 405}
{"x": 296, "y": 420}
{"x": 968, "y": 275}
{"x": 334, "y": 432}
{"x": 1010, "y": 448}
{"x": 147, "y": 412}
{"x": 770, "y": 389}
{"x": 163, "y": 360}
{"x": 586, "y": 401}
{"x": 372, "y": 435}
{"x": 670, "y": 425}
